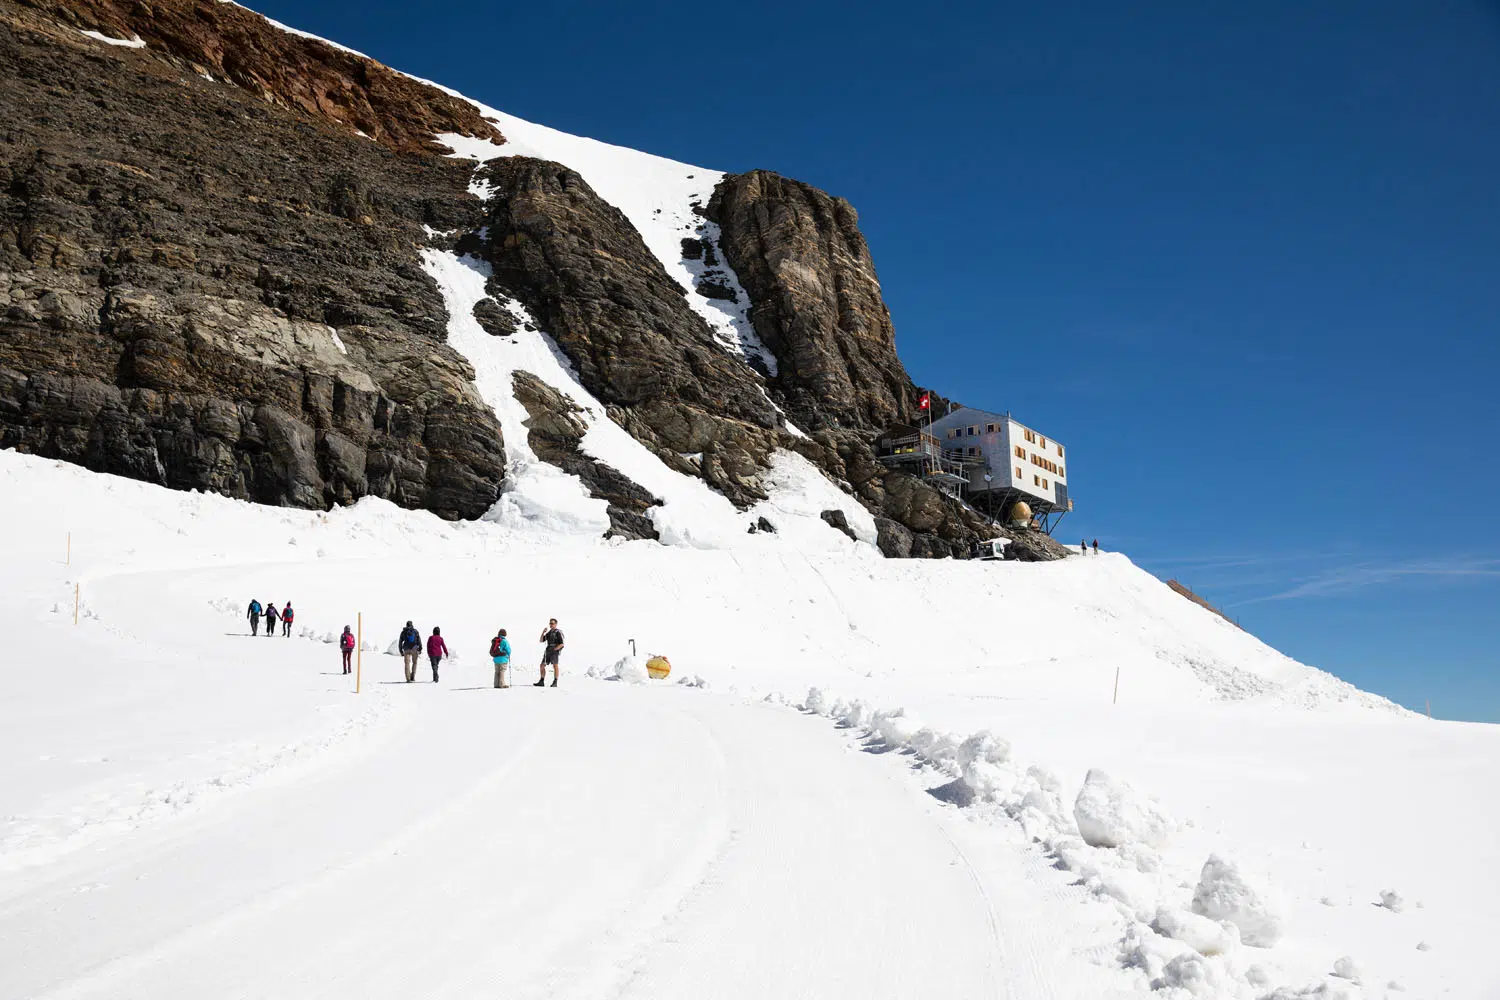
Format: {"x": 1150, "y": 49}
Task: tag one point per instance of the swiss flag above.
{"x": 925, "y": 402}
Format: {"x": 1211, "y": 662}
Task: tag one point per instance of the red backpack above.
{"x": 346, "y": 641}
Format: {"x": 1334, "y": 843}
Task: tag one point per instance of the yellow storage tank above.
{"x": 658, "y": 667}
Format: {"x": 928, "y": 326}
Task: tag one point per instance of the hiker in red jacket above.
{"x": 436, "y": 650}
{"x": 287, "y": 617}
{"x": 346, "y": 646}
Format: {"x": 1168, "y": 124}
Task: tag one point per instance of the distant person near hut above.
{"x": 1096, "y": 546}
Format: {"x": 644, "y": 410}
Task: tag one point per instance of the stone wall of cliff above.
{"x": 204, "y": 290}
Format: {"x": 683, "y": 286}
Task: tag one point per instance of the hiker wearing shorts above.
{"x": 553, "y": 652}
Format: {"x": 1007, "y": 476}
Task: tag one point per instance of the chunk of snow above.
{"x": 1205, "y": 936}
{"x": 133, "y": 42}
{"x": 631, "y": 669}
{"x": 1392, "y": 900}
{"x": 1346, "y": 968}
{"x": 1224, "y": 892}
{"x": 1110, "y": 813}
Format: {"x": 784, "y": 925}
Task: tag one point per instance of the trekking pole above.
{"x": 1117, "y": 686}
{"x": 632, "y": 647}
{"x": 359, "y": 652}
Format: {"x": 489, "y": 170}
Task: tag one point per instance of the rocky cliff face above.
{"x": 582, "y": 269}
{"x": 205, "y": 291}
{"x": 816, "y": 301}
{"x": 238, "y": 46}
{"x": 211, "y": 278}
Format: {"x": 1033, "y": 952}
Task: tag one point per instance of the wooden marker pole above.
{"x": 359, "y": 643}
{"x": 1117, "y": 687}
{"x": 75, "y": 602}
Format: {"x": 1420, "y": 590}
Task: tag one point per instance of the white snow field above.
{"x": 189, "y": 811}
{"x": 865, "y": 778}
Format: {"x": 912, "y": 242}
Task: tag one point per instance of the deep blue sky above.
{"x": 1242, "y": 259}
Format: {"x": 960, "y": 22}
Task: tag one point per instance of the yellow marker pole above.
{"x": 75, "y": 603}
{"x": 359, "y": 650}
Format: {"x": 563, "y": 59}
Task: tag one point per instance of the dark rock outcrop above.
{"x": 554, "y": 431}
{"x": 816, "y": 301}
{"x": 839, "y": 521}
{"x": 582, "y": 269}
{"x": 257, "y": 324}
{"x": 239, "y": 46}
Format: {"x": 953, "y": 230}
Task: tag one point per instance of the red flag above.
{"x": 925, "y": 402}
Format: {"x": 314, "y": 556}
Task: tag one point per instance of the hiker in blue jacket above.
{"x": 254, "y": 614}
{"x": 500, "y": 654}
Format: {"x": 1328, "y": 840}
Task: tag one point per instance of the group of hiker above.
{"x": 286, "y": 616}
{"x": 1084, "y": 545}
{"x": 410, "y": 645}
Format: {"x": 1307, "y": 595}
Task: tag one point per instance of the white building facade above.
{"x": 999, "y": 454}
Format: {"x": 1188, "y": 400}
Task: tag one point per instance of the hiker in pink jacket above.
{"x": 436, "y": 650}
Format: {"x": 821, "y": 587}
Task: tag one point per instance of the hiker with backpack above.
{"x": 287, "y": 615}
{"x": 436, "y": 650}
{"x": 271, "y": 617}
{"x": 553, "y": 637}
{"x": 253, "y": 613}
{"x": 346, "y": 647}
{"x": 410, "y": 647}
{"x": 500, "y": 654}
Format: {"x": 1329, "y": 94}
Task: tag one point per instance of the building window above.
{"x": 1044, "y": 484}
{"x": 1018, "y": 472}
{"x": 990, "y": 428}
{"x": 1059, "y": 451}
{"x": 1036, "y": 480}
{"x": 973, "y": 451}
{"x": 1031, "y": 437}
{"x": 1062, "y": 473}
{"x": 1020, "y": 452}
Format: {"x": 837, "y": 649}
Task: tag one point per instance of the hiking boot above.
{"x": 554, "y": 682}
{"x": 538, "y": 684}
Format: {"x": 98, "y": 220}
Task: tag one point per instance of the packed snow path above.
{"x": 591, "y": 841}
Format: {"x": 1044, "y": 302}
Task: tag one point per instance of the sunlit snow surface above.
{"x": 189, "y": 811}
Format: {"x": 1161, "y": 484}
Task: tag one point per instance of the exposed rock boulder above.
{"x": 554, "y": 431}
{"x": 839, "y": 521}
{"x": 256, "y": 324}
{"x": 816, "y": 301}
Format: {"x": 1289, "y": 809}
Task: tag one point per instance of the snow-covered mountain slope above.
{"x": 154, "y": 744}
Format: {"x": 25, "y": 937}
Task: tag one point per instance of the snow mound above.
{"x": 1205, "y": 936}
{"x": 1226, "y": 893}
{"x": 1110, "y": 813}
